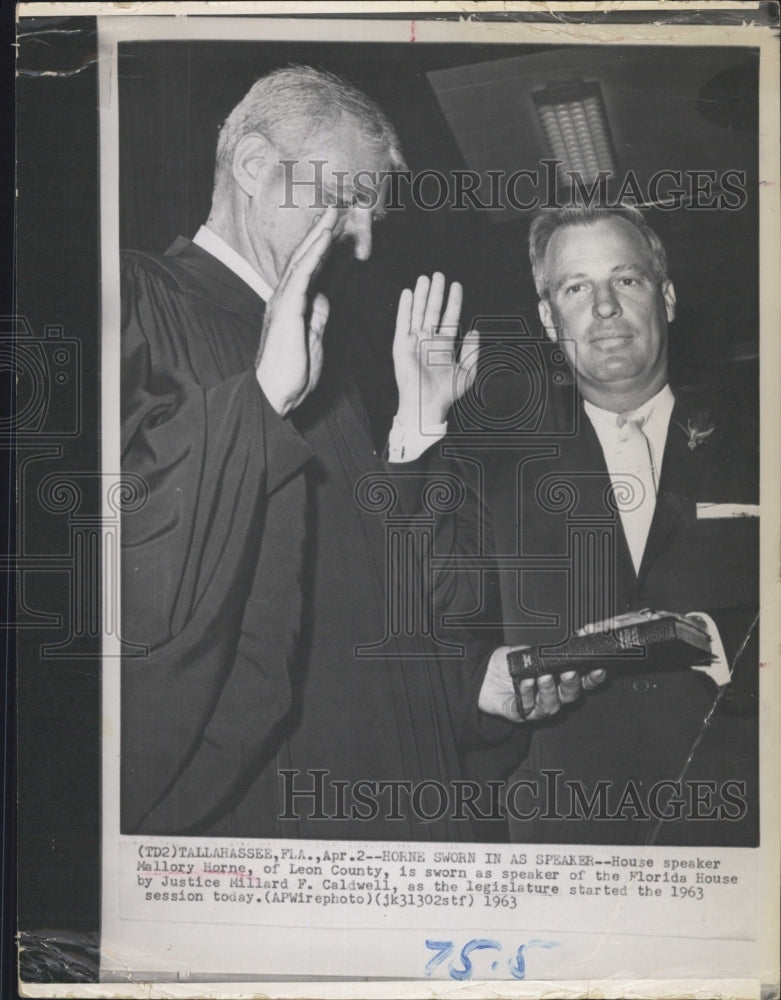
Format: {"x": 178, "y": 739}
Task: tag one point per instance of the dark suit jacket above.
{"x": 550, "y": 503}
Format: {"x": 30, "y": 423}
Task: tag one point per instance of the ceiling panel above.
{"x": 668, "y": 108}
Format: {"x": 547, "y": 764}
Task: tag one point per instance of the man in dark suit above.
{"x": 632, "y": 502}
{"x": 258, "y": 566}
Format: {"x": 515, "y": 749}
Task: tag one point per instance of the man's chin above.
{"x": 617, "y": 369}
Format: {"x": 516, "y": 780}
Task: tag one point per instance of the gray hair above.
{"x": 547, "y": 221}
{"x": 288, "y": 105}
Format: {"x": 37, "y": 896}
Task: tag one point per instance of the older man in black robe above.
{"x": 253, "y": 572}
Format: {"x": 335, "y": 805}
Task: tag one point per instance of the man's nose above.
{"x": 606, "y": 302}
{"x": 358, "y": 228}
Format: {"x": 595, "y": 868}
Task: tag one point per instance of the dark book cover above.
{"x": 666, "y": 642}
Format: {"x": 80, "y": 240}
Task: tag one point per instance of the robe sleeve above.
{"x": 212, "y": 458}
{"x": 460, "y": 591}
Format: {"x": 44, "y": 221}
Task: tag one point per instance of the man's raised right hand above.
{"x": 290, "y": 357}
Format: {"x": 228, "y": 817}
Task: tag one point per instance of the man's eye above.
{"x": 573, "y": 289}
{"x": 628, "y": 281}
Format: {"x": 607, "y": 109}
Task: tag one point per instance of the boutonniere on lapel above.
{"x": 698, "y": 429}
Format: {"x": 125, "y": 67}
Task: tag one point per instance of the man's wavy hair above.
{"x": 289, "y": 105}
{"x": 548, "y": 220}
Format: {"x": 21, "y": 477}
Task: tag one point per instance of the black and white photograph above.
{"x": 391, "y": 564}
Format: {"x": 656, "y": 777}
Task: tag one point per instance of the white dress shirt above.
{"x": 655, "y": 415}
{"x": 634, "y": 474}
{"x": 209, "y": 241}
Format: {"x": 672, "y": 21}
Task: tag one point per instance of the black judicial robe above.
{"x": 249, "y": 575}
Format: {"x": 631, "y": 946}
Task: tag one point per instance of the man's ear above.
{"x": 253, "y": 154}
{"x": 546, "y": 317}
{"x": 668, "y": 294}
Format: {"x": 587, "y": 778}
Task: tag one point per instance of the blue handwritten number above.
{"x": 474, "y": 945}
{"x": 445, "y": 950}
{"x": 518, "y": 971}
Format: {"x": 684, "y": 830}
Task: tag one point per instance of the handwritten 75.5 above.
{"x": 461, "y": 967}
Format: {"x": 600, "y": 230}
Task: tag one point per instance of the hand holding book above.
{"x": 530, "y": 699}
{"x": 645, "y": 639}
{"x": 530, "y": 683}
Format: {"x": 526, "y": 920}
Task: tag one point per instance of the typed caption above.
{"x": 486, "y": 886}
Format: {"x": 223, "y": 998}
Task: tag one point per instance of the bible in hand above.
{"x": 660, "y": 642}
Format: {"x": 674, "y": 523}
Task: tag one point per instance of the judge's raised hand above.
{"x": 290, "y": 357}
{"x": 541, "y": 697}
{"x": 429, "y": 374}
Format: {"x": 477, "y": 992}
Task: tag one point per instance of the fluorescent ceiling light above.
{"x": 574, "y": 121}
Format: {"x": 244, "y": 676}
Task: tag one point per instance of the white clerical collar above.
{"x": 209, "y": 241}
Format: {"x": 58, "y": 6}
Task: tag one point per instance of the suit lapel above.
{"x": 624, "y": 568}
{"x": 682, "y": 469}
{"x": 583, "y": 456}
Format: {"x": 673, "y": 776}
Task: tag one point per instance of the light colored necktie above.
{"x": 634, "y": 483}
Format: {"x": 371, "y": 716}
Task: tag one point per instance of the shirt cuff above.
{"x": 718, "y": 669}
{"x": 405, "y": 444}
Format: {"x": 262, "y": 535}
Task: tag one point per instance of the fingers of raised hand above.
{"x": 299, "y": 272}
{"x": 320, "y": 309}
{"x": 404, "y": 314}
{"x": 419, "y": 300}
{"x": 433, "y": 308}
{"x": 317, "y": 322}
{"x": 450, "y": 321}
{"x": 325, "y": 224}
{"x": 468, "y": 358}
{"x": 420, "y": 311}
{"x": 309, "y": 254}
